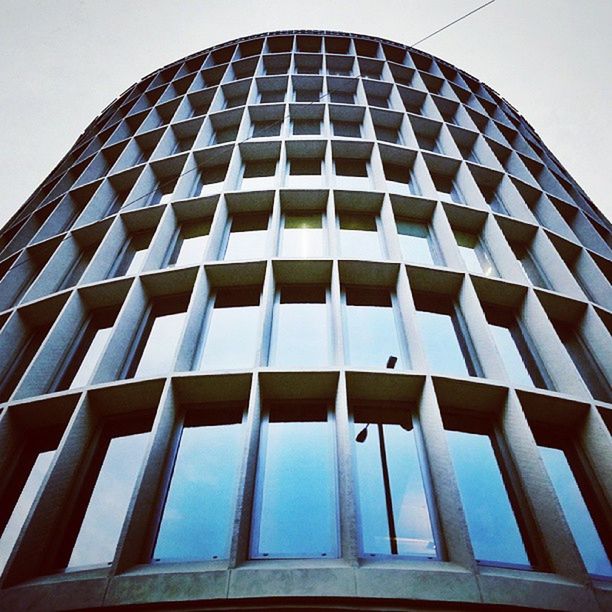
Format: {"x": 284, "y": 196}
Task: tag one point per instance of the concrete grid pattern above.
{"x": 458, "y": 208}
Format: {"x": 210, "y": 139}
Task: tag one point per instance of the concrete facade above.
{"x": 172, "y": 151}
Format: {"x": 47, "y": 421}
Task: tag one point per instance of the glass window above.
{"x": 247, "y": 237}
{"x": 16, "y": 518}
{"x": 351, "y": 167}
{"x": 415, "y": 242}
{"x": 103, "y": 518}
{"x": 21, "y": 360}
{"x": 307, "y": 95}
{"x": 388, "y": 134}
{"x": 305, "y": 166}
{"x": 159, "y": 338}
{"x": 583, "y": 359}
{"x": 162, "y": 194}
{"x": 489, "y": 193}
{"x": 232, "y": 336}
{"x": 271, "y": 95}
{"x": 371, "y": 329}
{"x": 132, "y": 257}
{"x": 393, "y": 509}
{"x": 529, "y": 265}
{"x": 209, "y": 179}
{"x": 295, "y": 506}
{"x": 474, "y": 254}
{"x": 514, "y": 349}
{"x": 306, "y": 127}
{"x": 226, "y": 133}
{"x": 446, "y": 188}
{"x": 190, "y": 243}
{"x": 442, "y": 334}
{"x": 301, "y": 335}
{"x": 576, "y": 511}
{"x": 87, "y": 350}
{"x": 342, "y": 97}
{"x": 359, "y": 236}
{"x": 302, "y": 235}
{"x": 76, "y": 270}
{"x": 492, "y": 523}
{"x": 398, "y": 174}
{"x": 198, "y": 516}
{"x": 259, "y": 174}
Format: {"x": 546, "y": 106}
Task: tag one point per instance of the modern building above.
{"x": 306, "y": 320}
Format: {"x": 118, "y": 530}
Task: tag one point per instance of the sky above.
{"x": 64, "y": 61}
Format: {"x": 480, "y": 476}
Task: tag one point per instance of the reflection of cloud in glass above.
{"x": 491, "y": 522}
{"x": 101, "y": 526}
{"x": 197, "y": 517}
{"x": 23, "y": 505}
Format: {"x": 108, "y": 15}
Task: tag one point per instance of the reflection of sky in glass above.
{"x": 296, "y": 498}
{"x": 191, "y": 250}
{"x": 246, "y": 245}
{"x": 301, "y": 336}
{"x": 23, "y": 505}
{"x": 441, "y": 345}
{"x": 302, "y": 236}
{"x": 491, "y": 522}
{"x": 576, "y": 512}
{"x": 412, "y": 524}
{"x": 515, "y": 366}
{"x": 158, "y": 355}
{"x": 372, "y": 336}
{"x": 231, "y": 338}
{"x": 101, "y": 526}
{"x": 197, "y": 518}
{"x": 91, "y": 357}
{"x": 414, "y": 243}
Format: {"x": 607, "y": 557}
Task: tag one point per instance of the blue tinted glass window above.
{"x": 198, "y": 515}
{"x": 493, "y": 527}
{"x": 371, "y": 330}
{"x": 101, "y": 526}
{"x": 295, "y": 511}
{"x": 415, "y": 242}
{"x": 394, "y": 514}
{"x": 511, "y": 356}
{"x": 301, "y": 328}
{"x": 233, "y": 330}
{"x": 576, "y": 512}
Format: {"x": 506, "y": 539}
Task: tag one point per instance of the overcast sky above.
{"x": 63, "y": 61}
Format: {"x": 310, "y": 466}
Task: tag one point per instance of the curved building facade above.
{"x": 307, "y": 319}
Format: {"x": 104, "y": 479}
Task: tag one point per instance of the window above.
{"x": 483, "y": 486}
{"x": 351, "y": 167}
{"x": 380, "y": 100}
{"x": 388, "y": 134}
{"x": 415, "y": 242}
{"x": 272, "y": 95}
{"x": 226, "y": 133}
{"x": 446, "y": 188}
{"x": 429, "y": 143}
{"x": 489, "y": 193}
{"x": 400, "y": 174}
{"x": 530, "y": 266}
{"x": 102, "y": 505}
{"x": 306, "y": 127}
{"x": 571, "y": 482}
{"x": 266, "y": 129}
{"x": 342, "y": 97}
{"x": 514, "y": 349}
{"x": 232, "y": 333}
{"x": 83, "y": 357}
{"x": 304, "y": 172}
{"x": 78, "y": 267}
{"x": 159, "y": 336}
{"x": 583, "y": 359}
{"x": 307, "y": 95}
{"x": 162, "y": 194}
{"x": 347, "y": 129}
{"x": 190, "y": 243}
{"x": 258, "y": 174}
{"x": 133, "y": 255}
{"x": 210, "y": 179}
{"x": 21, "y": 360}
{"x": 197, "y": 518}
{"x": 295, "y": 505}
{"x": 34, "y": 463}
{"x": 393, "y": 507}
{"x": 247, "y": 237}
{"x": 301, "y": 328}
{"x": 359, "y": 236}
{"x": 183, "y": 144}
{"x": 372, "y": 332}
{"x": 444, "y": 335}
{"x": 474, "y": 254}
{"x": 302, "y": 235}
